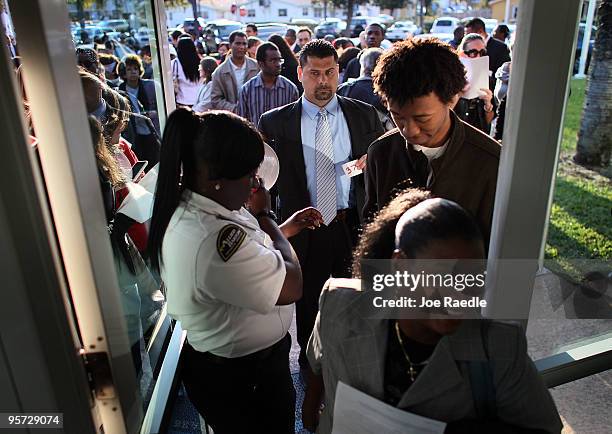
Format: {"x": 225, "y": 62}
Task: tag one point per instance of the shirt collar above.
{"x": 312, "y": 110}
{"x": 236, "y": 68}
{"x": 278, "y": 84}
{"x": 209, "y": 206}
{"x": 432, "y": 153}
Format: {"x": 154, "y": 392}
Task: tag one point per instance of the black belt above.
{"x": 249, "y": 358}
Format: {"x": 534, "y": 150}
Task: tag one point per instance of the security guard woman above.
{"x": 231, "y": 275}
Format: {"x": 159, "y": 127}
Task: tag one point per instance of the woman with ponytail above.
{"x": 230, "y": 273}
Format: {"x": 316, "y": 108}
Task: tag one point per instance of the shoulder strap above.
{"x": 481, "y": 379}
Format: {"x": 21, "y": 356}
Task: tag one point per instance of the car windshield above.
{"x": 226, "y": 30}
{"x": 444, "y": 23}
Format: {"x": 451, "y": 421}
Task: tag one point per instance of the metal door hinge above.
{"x": 99, "y": 374}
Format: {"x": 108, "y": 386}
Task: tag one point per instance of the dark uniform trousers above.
{"x": 329, "y": 253}
{"x": 250, "y": 394}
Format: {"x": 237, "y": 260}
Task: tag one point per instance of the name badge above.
{"x": 350, "y": 170}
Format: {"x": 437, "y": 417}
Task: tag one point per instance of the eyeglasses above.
{"x": 476, "y": 53}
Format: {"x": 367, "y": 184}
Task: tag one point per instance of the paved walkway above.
{"x": 563, "y": 314}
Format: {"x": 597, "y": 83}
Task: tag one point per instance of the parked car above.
{"x": 87, "y": 34}
{"x": 401, "y": 30}
{"x": 111, "y": 46}
{"x": 142, "y": 36}
{"x": 194, "y": 25}
{"x": 358, "y": 24}
{"x": 117, "y": 25}
{"x": 218, "y": 31}
{"x": 386, "y": 19}
{"x": 304, "y": 22}
{"x": 490, "y": 23}
{"x": 444, "y": 37}
{"x": 330, "y": 26}
{"x": 444, "y": 25}
{"x": 264, "y": 31}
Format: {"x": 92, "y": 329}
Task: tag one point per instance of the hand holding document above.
{"x": 149, "y": 181}
{"x": 477, "y": 75}
{"x": 358, "y": 413}
{"x": 351, "y": 169}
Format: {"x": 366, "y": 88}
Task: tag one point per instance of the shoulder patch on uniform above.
{"x": 229, "y": 240}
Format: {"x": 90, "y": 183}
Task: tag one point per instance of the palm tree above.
{"x": 595, "y": 137}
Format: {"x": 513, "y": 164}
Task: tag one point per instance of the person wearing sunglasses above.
{"x": 478, "y": 112}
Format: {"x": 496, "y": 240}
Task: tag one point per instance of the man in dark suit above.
{"x": 497, "y": 51}
{"x": 313, "y": 138}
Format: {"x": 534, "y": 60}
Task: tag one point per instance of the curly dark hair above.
{"x": 415, "y": 68}
{"x": 317, "y": 48}
{"x": 377, "y": 241}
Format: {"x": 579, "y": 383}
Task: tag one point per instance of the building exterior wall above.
{"x": 498, "y": 10}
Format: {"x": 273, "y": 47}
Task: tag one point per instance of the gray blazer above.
{"x": 224, "y": 93}
{"x": 346, "y": 346}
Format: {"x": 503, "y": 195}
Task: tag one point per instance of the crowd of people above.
{"x": 239, "y": 62}
{"x": 238, "y": 257}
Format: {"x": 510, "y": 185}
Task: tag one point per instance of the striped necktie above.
{"x": 326, "y": 173}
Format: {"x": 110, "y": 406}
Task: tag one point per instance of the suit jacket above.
{"x": 498, "y": 53}
{"x": 281, "y": 128}
{"x": 466, "y": 173}
{"x": 348, "y": 345}
{"x": 224, "y": 93}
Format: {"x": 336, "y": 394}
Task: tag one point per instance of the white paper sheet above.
{"x": 149, "y": 181}
{"x": 358, "y": 413}
{"x": 350, "y": 170}
{"x": 138, "y": 204}
{"x": 477, "y": 75}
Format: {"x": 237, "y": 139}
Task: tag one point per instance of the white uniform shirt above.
{"x": 223, "y": 278}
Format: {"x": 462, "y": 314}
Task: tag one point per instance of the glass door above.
{"x": 93, "y": 96}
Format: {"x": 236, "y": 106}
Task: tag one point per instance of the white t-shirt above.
{"x": 239, "y": 73}
{"x": 223, "y": 278}
{"x": 431, "y": 154}
{"x": 187, "y": 90}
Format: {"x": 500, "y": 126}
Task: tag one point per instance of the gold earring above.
{"x": 217, "y": 187}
